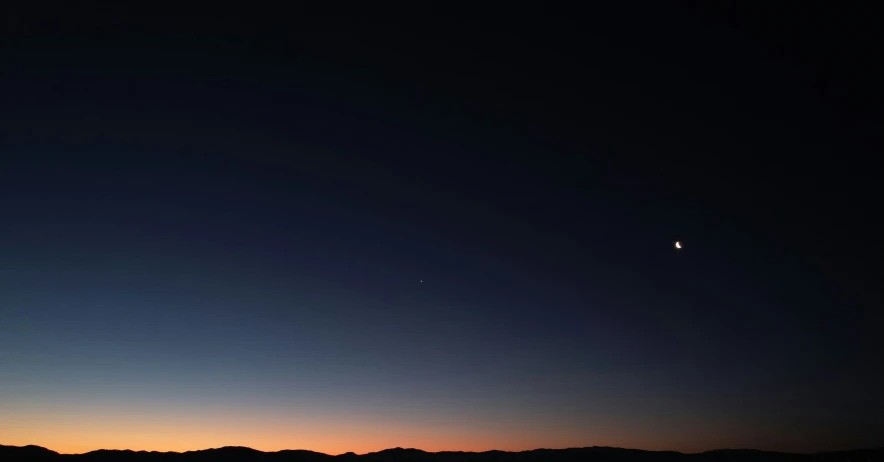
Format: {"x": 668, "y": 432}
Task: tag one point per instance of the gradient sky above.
{"x": 355, "y": 234}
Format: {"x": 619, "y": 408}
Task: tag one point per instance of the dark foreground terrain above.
{"x": 593, "y": 454}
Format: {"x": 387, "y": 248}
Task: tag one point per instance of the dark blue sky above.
{"x": 361, "y": 233}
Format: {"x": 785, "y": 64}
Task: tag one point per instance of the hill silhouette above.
{"x": 589, "y": 454}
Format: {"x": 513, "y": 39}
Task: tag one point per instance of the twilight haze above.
{"x": 350, "y": 234}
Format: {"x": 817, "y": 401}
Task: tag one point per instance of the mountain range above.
{"x": 588, "y": 454}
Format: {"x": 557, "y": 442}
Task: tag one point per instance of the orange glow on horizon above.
{"x": 76, "y": 429}
{"x": 75, "y": 435}
{"x": 72, "y": 438}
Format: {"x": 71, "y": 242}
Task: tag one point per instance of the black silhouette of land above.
{"x": 589, "y": 454}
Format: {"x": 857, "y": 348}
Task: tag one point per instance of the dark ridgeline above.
{"x": 592, "y": 454}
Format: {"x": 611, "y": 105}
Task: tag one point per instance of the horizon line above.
{"x": 398, "y": 448}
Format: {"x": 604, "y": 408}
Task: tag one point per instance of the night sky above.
{"x": 449, "y": 233}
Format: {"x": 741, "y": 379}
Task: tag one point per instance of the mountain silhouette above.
{"x": 589, "y": 454}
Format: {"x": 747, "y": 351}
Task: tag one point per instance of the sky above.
{"x": 448, "y": 233}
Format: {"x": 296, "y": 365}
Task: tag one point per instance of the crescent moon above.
{"x": 677, "y": 245}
